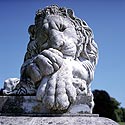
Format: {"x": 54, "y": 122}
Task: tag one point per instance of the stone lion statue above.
{"x": 60, "y": 60}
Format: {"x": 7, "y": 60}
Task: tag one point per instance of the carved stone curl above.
{"x": 60, "y": 60}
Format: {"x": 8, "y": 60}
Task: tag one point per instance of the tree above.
{"x": 117, "y": 113}
{"x": 107, "y": 106}
{"x": 123, "y": 114}
{"x": 102, "y": 103}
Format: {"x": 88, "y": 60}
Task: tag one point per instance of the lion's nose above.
{"x": 82, "y": 88}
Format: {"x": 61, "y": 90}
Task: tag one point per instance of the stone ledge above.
{"x": 78, "y": 120}
{"x": 49, "y": 115}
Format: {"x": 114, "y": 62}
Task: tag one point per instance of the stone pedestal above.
{"x": 30, "y": 105}
{"x": 56, "y": 120}
{"x": 25, "y": 110}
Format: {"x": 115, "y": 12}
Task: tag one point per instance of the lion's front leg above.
{"x": 58, "y": 89}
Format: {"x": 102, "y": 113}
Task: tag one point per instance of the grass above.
{"x": 121, "y": 123}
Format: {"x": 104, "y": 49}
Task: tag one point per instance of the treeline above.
{"x": 107, "y": 106}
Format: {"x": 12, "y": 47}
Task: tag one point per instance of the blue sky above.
{"x": 105, "y": 17}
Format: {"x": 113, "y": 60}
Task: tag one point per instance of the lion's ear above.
{"x": 31, "y": 31}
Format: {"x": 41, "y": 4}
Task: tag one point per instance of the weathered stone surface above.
{"x": 3, "y": 99}
{"x": 10, "y": 85}
{"x": 24, "y": 110}
{"x": 29, "y": 104}
{"x": 57, "y": 120}
{"x": 4, "y": 120}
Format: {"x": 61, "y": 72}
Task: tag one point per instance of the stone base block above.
{"x": 57, "y": 120}
{"x": 25, "y": 110}
{"x": 29, "y": 104}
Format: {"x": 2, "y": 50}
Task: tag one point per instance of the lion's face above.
{"x": 59, "y": 33}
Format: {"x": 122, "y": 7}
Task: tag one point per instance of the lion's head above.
{"x": 39, "y": 33}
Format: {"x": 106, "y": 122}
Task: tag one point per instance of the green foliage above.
{"x": 107, "y": 106}
{"x": 121, "y": 123}
{"x": 123, "y": 114}
{"x": 115, "y": 103}
{"x": 117, "y": 115}
{"x": 103, "y": 105}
